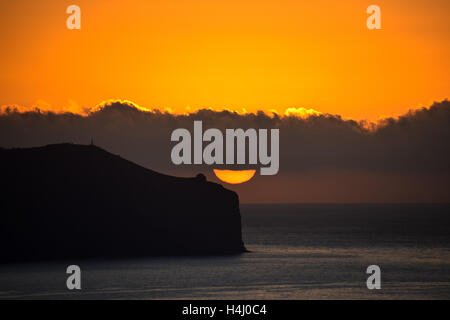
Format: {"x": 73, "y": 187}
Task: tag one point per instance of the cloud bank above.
{"x": 323, "y": 158}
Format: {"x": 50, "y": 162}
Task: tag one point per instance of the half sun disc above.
{"x": 234, "y": 176}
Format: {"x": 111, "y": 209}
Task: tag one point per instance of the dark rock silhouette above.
{"x": 70, "y": 201}
{"x": 200, "y": 177}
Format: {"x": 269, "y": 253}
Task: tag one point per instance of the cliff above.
{"x": 71, "y": 201}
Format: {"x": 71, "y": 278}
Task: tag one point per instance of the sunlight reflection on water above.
{"x": 293, "y": 256}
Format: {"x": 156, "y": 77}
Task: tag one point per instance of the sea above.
{"x": 297, "y": 251}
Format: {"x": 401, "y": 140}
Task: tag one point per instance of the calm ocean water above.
{"x": 298, "y": 252}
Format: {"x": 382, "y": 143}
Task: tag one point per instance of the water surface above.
{"x": 297, "y": 252}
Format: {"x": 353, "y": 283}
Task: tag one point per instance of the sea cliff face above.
{"x": 71, "y": 201}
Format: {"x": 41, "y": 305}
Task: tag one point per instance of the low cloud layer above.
{"x": 323, "y": 158}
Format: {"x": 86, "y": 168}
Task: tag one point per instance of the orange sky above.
{"x": 236, "y": 54}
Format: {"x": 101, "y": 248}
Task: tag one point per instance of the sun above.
{"x": 234, "y": 176}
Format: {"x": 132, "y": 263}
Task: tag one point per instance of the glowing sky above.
{"x": 236, "y": 54}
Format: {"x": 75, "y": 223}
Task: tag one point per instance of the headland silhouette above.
{"x": 67, "y": 201}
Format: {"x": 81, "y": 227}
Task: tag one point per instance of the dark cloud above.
{"x": 411, "y": 151}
